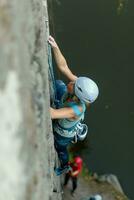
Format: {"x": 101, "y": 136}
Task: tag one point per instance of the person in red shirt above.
{"x": 76, "y": 167}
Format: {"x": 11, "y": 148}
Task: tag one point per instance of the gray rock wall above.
{"x": 27, "y": 155}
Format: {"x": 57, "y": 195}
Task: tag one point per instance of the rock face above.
{"x": 111, "y": 179}
{"x": 91, "y": 186}
{"x": 27, "y": 155}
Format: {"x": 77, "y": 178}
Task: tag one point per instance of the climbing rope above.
{"x": 51, "y": 75}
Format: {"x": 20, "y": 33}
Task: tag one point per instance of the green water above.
{"x": 97, "y": 39}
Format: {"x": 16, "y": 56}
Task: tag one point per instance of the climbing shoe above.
{"x": 62, "y": 170}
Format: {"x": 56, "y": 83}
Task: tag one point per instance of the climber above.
{"x": 72, "y": 101}
{"x": 76, "y": 166}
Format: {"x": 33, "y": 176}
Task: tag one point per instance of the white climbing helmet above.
{"x": 86, "y": 89}
{"x": 96, "y": 197}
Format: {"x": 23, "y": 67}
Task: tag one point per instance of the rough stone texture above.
{"x": 90, "y": 186}
{"x": 27, "y": 155}
{"x": 113, "y": 180}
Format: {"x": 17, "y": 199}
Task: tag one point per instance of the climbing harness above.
{"x": 81, "y": 132}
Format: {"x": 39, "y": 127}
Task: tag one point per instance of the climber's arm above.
{"x": 67, "y": 112}
{"x": 60, "y": 60}
{"x": 75, "y": 173}
{"x": 62, "y": 113}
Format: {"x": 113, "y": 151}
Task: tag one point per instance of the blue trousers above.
{"x": 61, "y": 144}
{"x": 61, "y": 88}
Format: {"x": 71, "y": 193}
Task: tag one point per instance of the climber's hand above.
{"x": 52, "y": 42}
